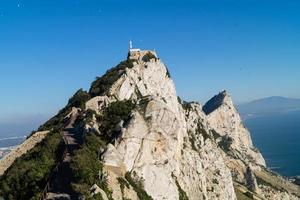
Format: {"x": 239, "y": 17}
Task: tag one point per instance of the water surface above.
{"x": 277, "y": 136}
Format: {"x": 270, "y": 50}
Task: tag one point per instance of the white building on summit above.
{"x": 131, "y": 49}
{"x": 138, "y": 54}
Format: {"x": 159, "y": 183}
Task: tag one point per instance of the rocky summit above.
{"x": 131, "y": 137}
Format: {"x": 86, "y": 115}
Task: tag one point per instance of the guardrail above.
{"x": 54, "y": 171}
{"x": 56, "y": 168}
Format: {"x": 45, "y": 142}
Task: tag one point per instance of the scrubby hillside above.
{"x": 140, "y": 141}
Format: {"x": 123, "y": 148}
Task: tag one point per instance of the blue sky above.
{"x": 51, "y": 48}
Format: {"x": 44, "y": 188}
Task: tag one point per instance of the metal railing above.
{"x": 56, "y": 168}
{"x": 54, "y": 171}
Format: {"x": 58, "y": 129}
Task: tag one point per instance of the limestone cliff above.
{"x": 225, "y": 119}
{"x": 175, "y": 149}
{"x": 168, "y": 148}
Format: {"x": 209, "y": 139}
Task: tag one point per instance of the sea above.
{"x": 277, "y": 136}
{"x": 8, "y": 143}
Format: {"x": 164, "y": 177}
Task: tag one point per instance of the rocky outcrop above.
{"x": 223, "y": 117}
{"x": 168, "y": 148}
{"x": 173, "y": 149}
{"x": 28, "y": 144}
{"x": 160, "y": 146}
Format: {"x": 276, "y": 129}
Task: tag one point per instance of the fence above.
{"x": 56, "y": 168}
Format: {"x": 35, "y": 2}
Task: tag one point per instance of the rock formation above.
{"x": 172, "y": 149}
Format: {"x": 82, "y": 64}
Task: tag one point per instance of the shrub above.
{"x": 138, "y": 187}
{"x": 181, "y": 192}
{"x": 226, "y": 143}
{"x": 27, "y": 176}
{"x": 79, "y": 99}
{"x": 201, "y": 130}
{"x": 87, "y": 167}
{"x": 101, "y": 85}
{"x": 186, "y": 106}
{"x": 123, "y": 183}
{"x": 148, "y": 56}
{"x": 57, "y": 122}
{"x": 112, "y": 115}
{"x": 168, "y": 73}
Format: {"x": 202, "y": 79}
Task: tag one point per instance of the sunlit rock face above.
{"x": 161, "y": 146}
{"x": 169, "y": 149}
{"x": 223, "y": 117}
{"x": 174, "y": 149}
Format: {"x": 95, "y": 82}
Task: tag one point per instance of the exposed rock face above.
{"x": 156, "y": 146}
{"x": 225, "y": 119}
{"x": 177, "y": 150}
{"x": 171, "y": 149}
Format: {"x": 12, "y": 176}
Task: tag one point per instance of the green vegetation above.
{"x": 215, "y": 134}
{"x": 112, "y": 116}
{"x": 27, "y": 176}
{"x": 264, "y": 182}
{"x": 79, "y": 99}
{"x": 187, "y": 106}
{"x": 225, "y": 143}
{"x": 57, "y": 122}
{"x": 179, "y": 100}
{"x": 86, "y": 165}
{"x": 87, "y": 168}
{"x": 181, "y": 192}
{"x": 101, "y": 84}
{"x": 192, "y": 140}
{"x": 168, "y": 73}
{"x": 148, "y": 57}
{"x": 123, "y": 183}
{"x": 138, "y": 187}
{"x": 143, "y": 103}
{"x": 200, "y": 130}
{"x": 242, "y": 196}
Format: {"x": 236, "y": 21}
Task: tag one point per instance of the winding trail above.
{"x": 60, "y": 186}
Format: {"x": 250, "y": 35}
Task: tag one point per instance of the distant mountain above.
{"x": 270, "y": 105}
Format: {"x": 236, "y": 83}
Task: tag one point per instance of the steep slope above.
{"x": 160, "y": 141}
{"x": 251, "y": 177}
{"x": 225, "y": 119}
{"x": 26, "y": 146}
{"x": 142, "y": 142}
